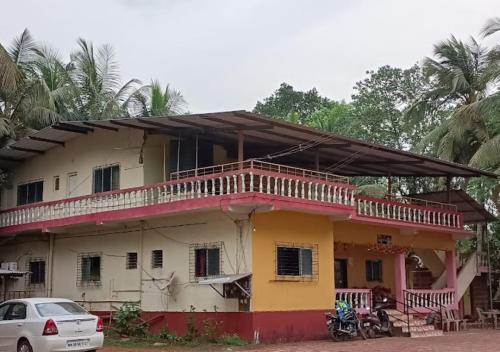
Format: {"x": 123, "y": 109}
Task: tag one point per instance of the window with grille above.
{"x": 131, "y": 261}
{"x": 374, "y": 270}
{"x": 30, "y": 193}
{"x": 36, "y": 268}
{"x": 106, "y": 178}
{"x": 206, "y": 260}
{"x": 294, "y": 260}
{"x": 157, "y": 259}
{"x": 89, "y": 269}
{"x": 57, "y": 183}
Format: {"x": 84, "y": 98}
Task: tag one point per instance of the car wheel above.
{"x": 24, "y": 346}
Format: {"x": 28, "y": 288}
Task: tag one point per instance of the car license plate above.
{"x": 366, "y": 325}
{"x": 78, "y": 343}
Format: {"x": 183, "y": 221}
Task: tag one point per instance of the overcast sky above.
{"x": 227, "y": 54}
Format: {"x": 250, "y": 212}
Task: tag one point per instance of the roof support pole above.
{"x": 448, "y": 189}
{"x": 241, "y": 152}
{"x": 196, "y": 158}
{"x": 316, "y": 161}
{"x": 389, "y": 186}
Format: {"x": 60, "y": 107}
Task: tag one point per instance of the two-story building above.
{"x": 233, "y": 215}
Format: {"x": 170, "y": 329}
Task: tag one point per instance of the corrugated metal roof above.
{"x": 338, "y": 154}
{"x": 474, "y": 212}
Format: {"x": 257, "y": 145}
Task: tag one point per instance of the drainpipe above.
{"x": 141, "y": 245}
{"x": 51, "y": 265}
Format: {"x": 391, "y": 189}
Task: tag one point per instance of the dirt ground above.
{"x": 469, "y": 341}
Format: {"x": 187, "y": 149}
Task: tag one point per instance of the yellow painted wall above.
{"x": 357, "y": 233}
{"x": 270, "y": 294}
{"x": 357, "y": 255}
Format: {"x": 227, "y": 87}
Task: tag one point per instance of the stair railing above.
{"x": 407, "y": 306}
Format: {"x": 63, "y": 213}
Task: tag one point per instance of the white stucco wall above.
{"x": 173, "y": 235}
{"x": 80, "y": 155}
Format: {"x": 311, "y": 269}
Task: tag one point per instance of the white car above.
{"x": 46, "y": 325}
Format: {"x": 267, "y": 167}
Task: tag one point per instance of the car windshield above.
{"x": 59, "y": 308}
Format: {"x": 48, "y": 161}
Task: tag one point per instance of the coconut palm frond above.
{"x": 23, "y": 50}
{"x": 488, "y": 155}
{"x": 432, "y": 138}
{"x": 10, "y": 76}
{"x": 491, "y": 27}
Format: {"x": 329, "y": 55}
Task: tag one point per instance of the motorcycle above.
{"x": 344, "y": 324}
{"x": 377, "y": 323}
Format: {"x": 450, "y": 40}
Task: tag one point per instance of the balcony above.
{"x": 245, "y": 183}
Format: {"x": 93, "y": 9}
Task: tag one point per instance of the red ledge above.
{"x": 181, "y": 206}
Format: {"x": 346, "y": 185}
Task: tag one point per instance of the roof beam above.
{"x": 124, "y": 124}
{"x": 28, "y": 150}
{"x": 14, "y": 160}
{"x": 91, "y": 124}
{"x": 238, "y": 126}
{"x": 71, "y": 128}
{"x": 46, "y": 140}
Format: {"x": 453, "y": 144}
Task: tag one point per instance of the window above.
{"x": 37, "y": 272}
{"x": 17, "y": 312}
{"x": 59, "y": 309}
{"x": 131, "y": 261}
{"x": 157, "y": 259}
{"x": 205, "y": 260}
{"x": 3, "y": 311}
{"x": 56, "y": 183}
{"x": 30, "y": 193}
{"x": 106, "y": 179}
{"x": 294, "y": 261}
{"x": 89, "y": 269}
{"x": 374, "y": 270}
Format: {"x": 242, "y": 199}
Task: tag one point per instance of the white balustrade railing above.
{"x": 359, "y": 299}
{"x": 235, "y": 181}
{"x": 432, "y": 214}
{"x": 430, "y": 299}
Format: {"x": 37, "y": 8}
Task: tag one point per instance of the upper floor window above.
{"x": 106, "y": 178}
{"x": 30, "y": 193}
{"x": 157, "y": 259}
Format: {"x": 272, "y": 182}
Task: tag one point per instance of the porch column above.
{"x": 451, "y": 273}
{"x": 400, "y": 279}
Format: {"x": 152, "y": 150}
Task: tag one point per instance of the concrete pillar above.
{"x": 400, "y": 279}
{"x": 451, "y": 273}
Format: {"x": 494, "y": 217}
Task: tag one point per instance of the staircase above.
{"x": 418, "y": 325}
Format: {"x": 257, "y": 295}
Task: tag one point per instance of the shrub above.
{"x": 127, "y": 320}
{"x": 232, "y": 340}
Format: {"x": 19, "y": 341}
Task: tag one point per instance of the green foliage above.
{"x": 210, "y": 330}
{"x": 165, "y": 334}
{"x": 191, "y": 329}
{"x": 232, "y": 340}
{"x": 127, "y": 322}
{"x": 290, "y": 104}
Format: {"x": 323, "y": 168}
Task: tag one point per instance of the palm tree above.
{"x": 96, "y": 81}
{"x": 152, "y": 100}
{"x": 25, "y": 100}
{"x": 462, "y": 74}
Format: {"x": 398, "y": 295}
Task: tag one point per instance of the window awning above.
{"x": 224, "y": 279}
{"x": 5, "y": 272}
{"x": 227, "y": 279}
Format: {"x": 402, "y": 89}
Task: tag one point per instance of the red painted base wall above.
{"x": 266, "y": 327}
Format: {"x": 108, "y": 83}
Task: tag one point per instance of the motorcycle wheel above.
{"x": 389, "y": 331}
{"x": 370, "y": 333}
{"x": 362, "y": 333}
{"x": 335, "y": 337}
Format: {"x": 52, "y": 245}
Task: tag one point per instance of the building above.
{"x": 233, "y": 215}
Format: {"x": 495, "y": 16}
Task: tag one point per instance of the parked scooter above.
{"x": 377, "y": 323}
{"x": 344, "y": 325}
